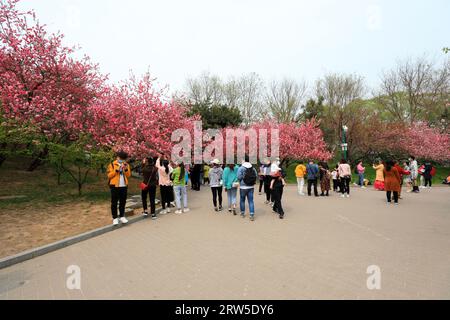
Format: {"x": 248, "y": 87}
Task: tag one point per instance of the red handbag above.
{"x": 143, "y": 186}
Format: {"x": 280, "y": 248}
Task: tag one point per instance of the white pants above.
{"x": 301, "y": 185}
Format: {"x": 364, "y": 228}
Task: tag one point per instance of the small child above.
{"x": 334, "y": 175}
{"x": 277, "y": 186}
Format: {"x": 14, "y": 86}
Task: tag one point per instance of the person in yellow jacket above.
{"x": 119, "y": 172}
{"x": 300, "y": 172}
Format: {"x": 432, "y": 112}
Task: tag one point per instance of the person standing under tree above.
{"x": 379, "y": 179}
{"x": 361, "y": 171}
{"x": 178, "y": 177}
{"x": 300, "y": 172}
{"x": 414, "y": 173}
{"x": 392, "y": 182}
{"x": 119, "y": 172}
{"x": 312, "y": 173}
{"x": 428, "y": 175}
{"x": 345, "y": 172}
{"x": 150, "y": 177}
{"x": 325, "y": 178}
{"x": 165, "y": 185}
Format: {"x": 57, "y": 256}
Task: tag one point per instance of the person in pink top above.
{"x": 361, "y": 171}
{"x": 345, "y": 172}
{"x": 165, "y": 185}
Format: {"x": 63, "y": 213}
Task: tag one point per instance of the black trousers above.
{"x": 389, "y": 196}
{"x": 428, "y": 182}
{"x": 195, "y": 181}
{"x": 277, "y": 195}
{"x": 166, "y": 196}
{"x": 261, "y": 185}
{"x": 151, "y": 193}
{"x": 267, "y": 191}
{"x": 217, "y": 192}
{"x": 335, "y": 185}
{"x": 312, "y": 183}
{"x": 345, "y": 185}
{"x": 118, "y": 196}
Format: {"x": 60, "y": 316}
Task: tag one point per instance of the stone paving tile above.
{"x": 320, "y": 251}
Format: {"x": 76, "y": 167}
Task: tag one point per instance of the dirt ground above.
{"x": 30, "y": 228}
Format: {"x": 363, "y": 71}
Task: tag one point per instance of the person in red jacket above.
{"x": 402, "y": 173}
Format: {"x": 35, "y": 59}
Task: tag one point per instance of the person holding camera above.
{"x": 119, "y": 172}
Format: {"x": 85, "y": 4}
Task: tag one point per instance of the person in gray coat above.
{"x": 216, "y": 183}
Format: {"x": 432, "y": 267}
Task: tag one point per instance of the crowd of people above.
{"x": 240, "y": 181}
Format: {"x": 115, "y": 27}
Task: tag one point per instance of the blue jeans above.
{"x": 361, "y": 179}
{"x": 180, "y": 194}
{"x": 248, "y": 193}
{"x": 232, "y": 195}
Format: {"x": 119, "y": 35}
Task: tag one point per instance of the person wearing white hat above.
{"x": 216, "y": 183}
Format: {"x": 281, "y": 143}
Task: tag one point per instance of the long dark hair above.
{"x": 389, "y": 165}
{"x": 182, "y": 171}
{"x": 166, "y": 165}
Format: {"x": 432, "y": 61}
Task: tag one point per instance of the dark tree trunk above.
{"x": 37, "y": 161}
{"x": 2, "y": 159}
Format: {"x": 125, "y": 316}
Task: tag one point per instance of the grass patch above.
{"x": 40, "y": 188}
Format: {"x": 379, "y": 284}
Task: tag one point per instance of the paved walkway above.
{"x": 321, "y": 250}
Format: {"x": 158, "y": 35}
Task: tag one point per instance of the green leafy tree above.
{"x": 77, "y": 160}
{"x": 216, "y": 116}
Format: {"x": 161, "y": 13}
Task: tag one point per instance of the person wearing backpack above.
{"x": 119, "y": 172}
{"x": 312, "y": 174}
{"x": 150, "y": 175}
{"x": 247, "y": 177}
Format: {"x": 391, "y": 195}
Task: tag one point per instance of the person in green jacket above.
{"x": 230, "y": 181}
{"x": 178, "y": 177}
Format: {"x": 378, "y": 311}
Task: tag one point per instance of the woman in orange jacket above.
{"x": 119, "y": 172}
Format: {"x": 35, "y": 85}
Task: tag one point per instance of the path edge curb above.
{"x": 40, "y": 251}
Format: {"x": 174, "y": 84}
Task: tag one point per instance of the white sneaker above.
{"x": 363, "y": 188}
{"x": 348, "y": 196}
{"x": 163, "y": 212}
{"x": 124, "y": 220}
{"x": 115, "y": 222}
{"x": 168, "y": 210}
{"x": 179, "y": 212}
{"x": 186, "y": 210}
{"x": 343, "y": 196}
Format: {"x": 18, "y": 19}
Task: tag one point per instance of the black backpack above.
{"x": 250, "y": 177}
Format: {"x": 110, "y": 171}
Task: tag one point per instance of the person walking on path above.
{"x": 325, "y": 179}
{"x": 261, "y": 178}
{"x": 119, "y": 172}
{"x": 178, "y": 177}
{"x": 300, "y": 172}
{"x": 150, "y": 180}
{"x": 414, "y": 173}
{"x": 345, "y": 173}
{"x": 216, "y": 183}
{"x": 392, "y": 181}
{"x": 361, "y": 172}
{"x": 231, "y": 183}
{"x": 379, "y": 179}
{"x": 312, "y": 174}
{"x": 247, "y": 177}
{"x": 277, "y": 186}
{"x": 195, "y": 176}
{"x": 267, "y": 181}
{"x": 165, "y": 185}
{"x": 428, "y": 175}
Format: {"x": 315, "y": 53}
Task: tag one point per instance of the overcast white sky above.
{"x": 175, "y": 39}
